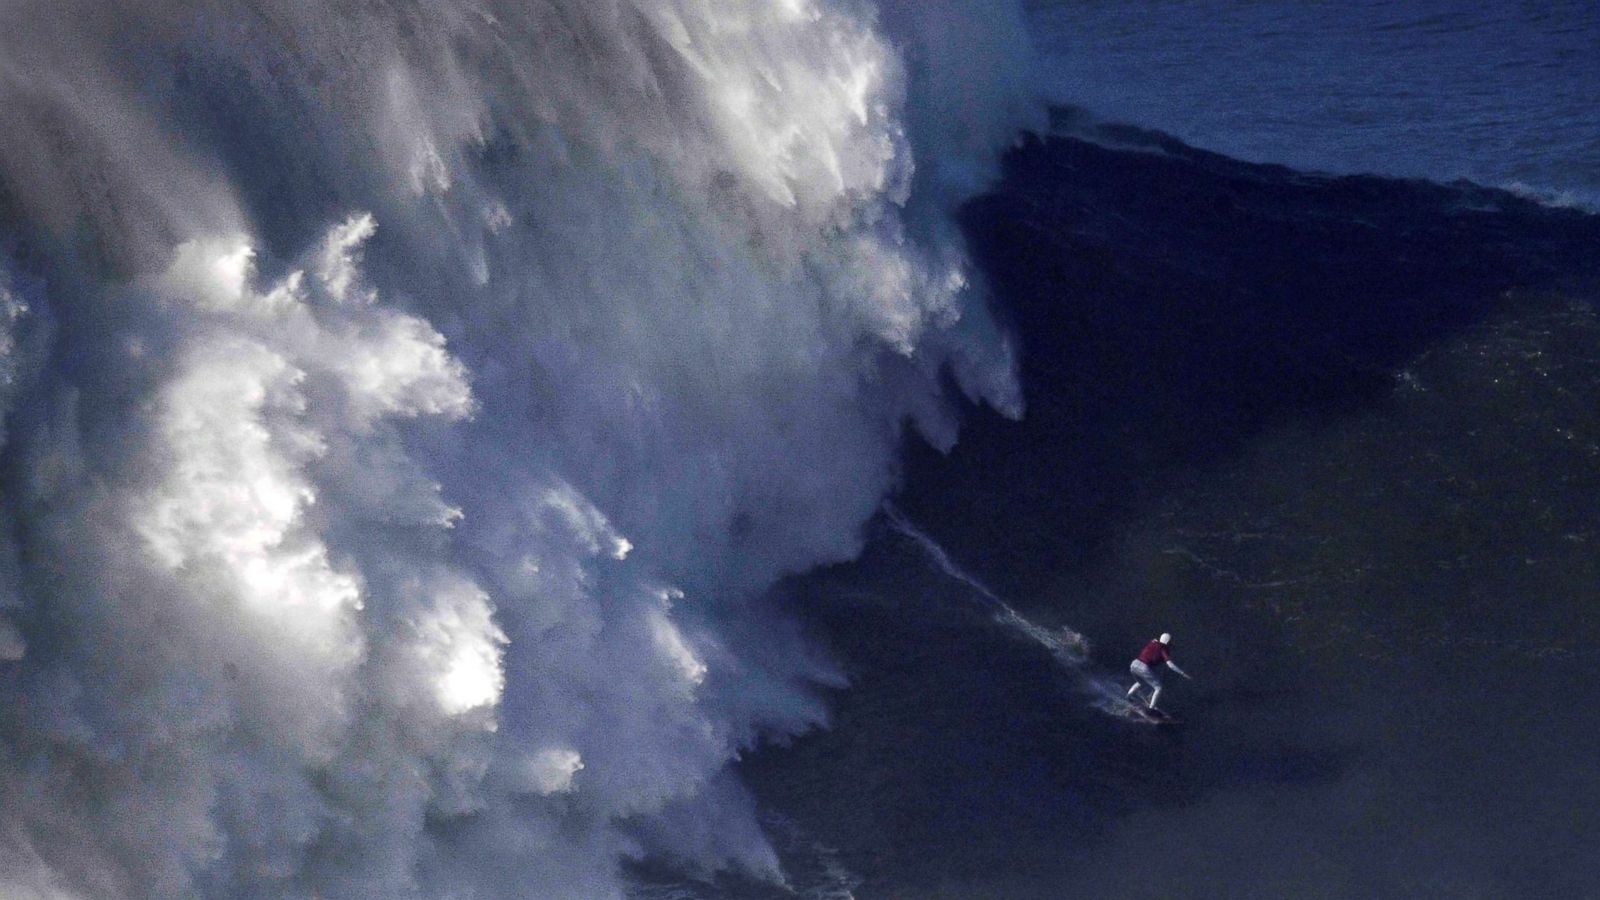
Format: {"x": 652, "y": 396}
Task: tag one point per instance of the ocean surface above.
{"x": 1500, "y": 92}
{"x": 713, "y": 450}
{"x": 1337, "y": 433}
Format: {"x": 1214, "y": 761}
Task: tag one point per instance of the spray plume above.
{"x": 408, "y": 404}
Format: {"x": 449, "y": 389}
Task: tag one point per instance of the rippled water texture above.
{"x": 1498, "y": 92}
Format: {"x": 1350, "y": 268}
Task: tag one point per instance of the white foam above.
{"x": 382, "y": 372}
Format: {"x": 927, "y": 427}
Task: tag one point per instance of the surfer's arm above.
{"x": 1174, "y": 667}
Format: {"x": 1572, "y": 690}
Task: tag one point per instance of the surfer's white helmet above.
{"x": 1165, "y": 638}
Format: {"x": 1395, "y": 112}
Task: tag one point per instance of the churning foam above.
{"x": 409, "y": 404}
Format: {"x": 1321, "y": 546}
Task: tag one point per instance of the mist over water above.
{"x": 409, "y": 404}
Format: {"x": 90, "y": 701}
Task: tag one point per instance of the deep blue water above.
{"x": 1500, "y": 92}
{"x": 1337, "y": 434}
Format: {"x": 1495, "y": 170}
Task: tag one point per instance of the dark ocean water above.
{"x": 1500, "y": 92}
{"x": 1338, "y": 434}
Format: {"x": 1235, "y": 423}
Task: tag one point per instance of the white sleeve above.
{"x": 1174, "y": 667}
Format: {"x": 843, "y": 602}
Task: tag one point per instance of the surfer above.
{"x": 1143, "y": 668}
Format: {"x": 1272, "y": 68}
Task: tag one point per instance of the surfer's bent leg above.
{"x": 1144, "y": 678}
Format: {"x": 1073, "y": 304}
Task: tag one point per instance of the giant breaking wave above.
{"x": 407, "y": 405}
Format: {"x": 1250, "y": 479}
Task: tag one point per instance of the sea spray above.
{"x": 1069, "y": 648}
{"x": 411, "y": 403}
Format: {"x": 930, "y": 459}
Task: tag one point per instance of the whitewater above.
{"x": 408, "y": 405}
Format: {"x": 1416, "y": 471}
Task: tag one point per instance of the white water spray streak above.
{"x": 409, "y": 404}
{"x": 1069, "y": 648}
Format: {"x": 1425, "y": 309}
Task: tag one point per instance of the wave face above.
{"x": 409, "y": 403}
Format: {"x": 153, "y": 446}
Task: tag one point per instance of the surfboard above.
{"x": 1138, "y": 712}
{"x": 1157, "y": 717}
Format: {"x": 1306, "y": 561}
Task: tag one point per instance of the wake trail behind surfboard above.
{"x": 1069, "y": 648}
